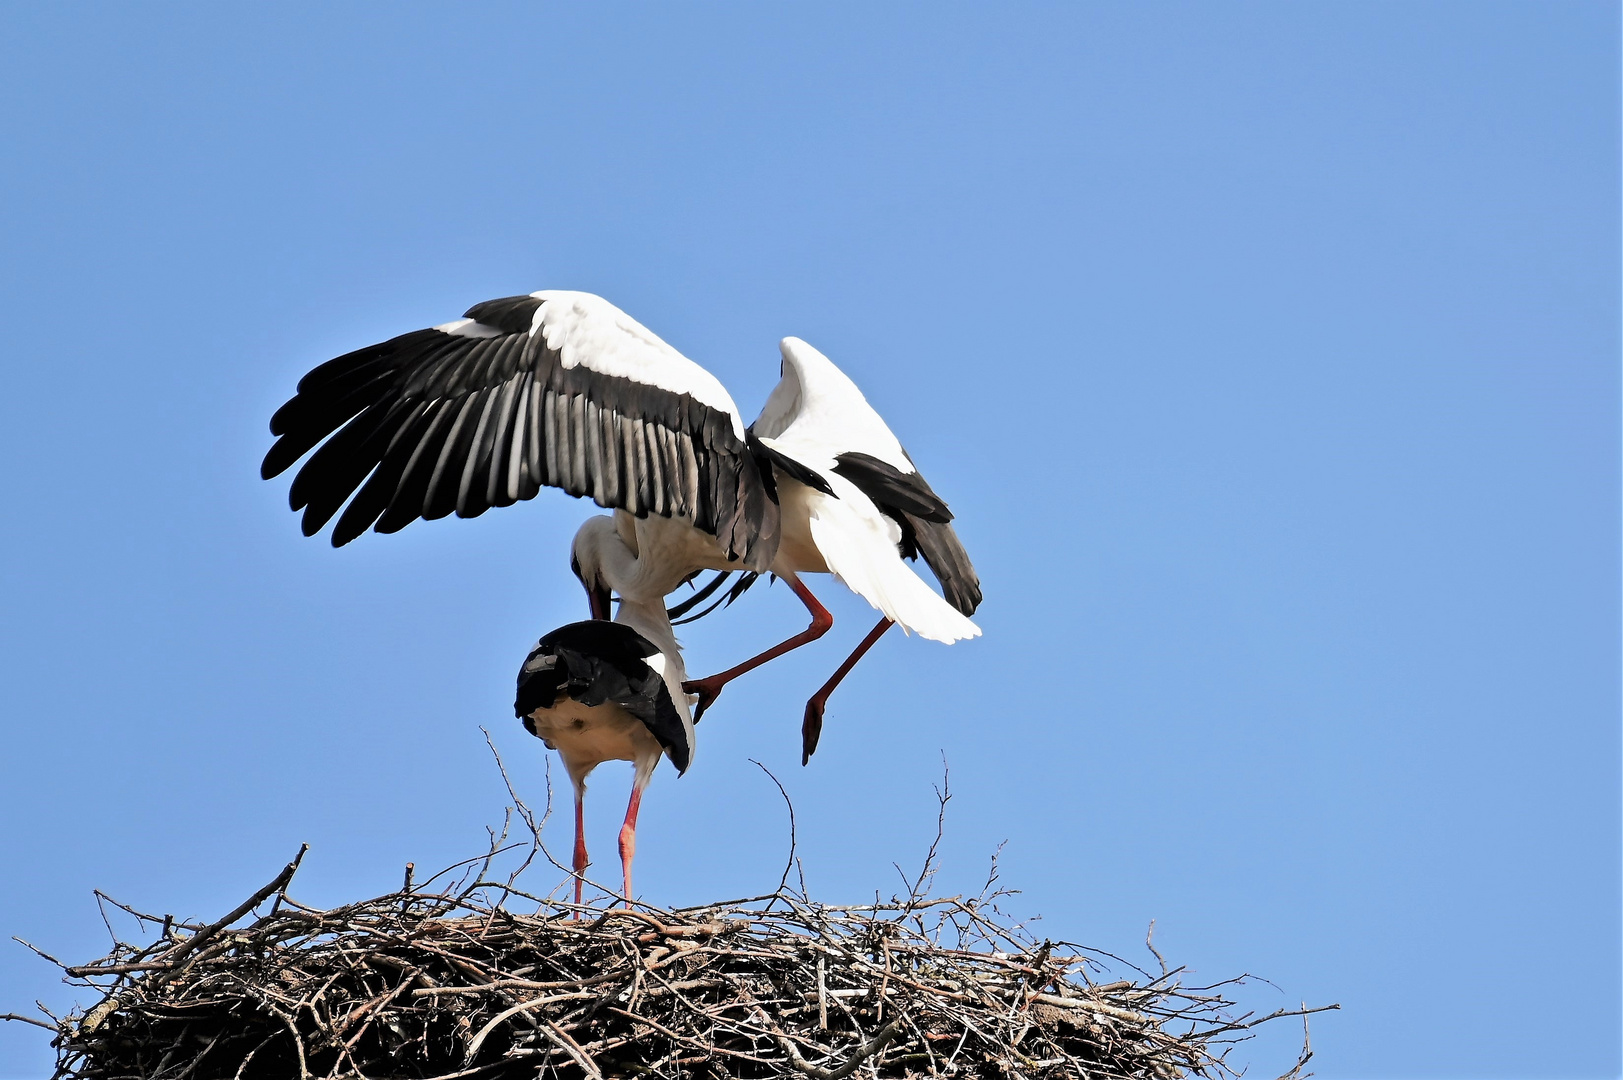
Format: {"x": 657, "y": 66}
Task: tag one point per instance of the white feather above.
{"x": 588, "y": 331}
{"x": 468, "y": 328}
{"x": 654, "y": 623}
{"x": 816, "y": 413}
{"x": 858, "y": 543}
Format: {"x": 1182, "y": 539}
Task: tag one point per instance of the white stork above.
{"x": 563, "y": 389}
{"x": 854, "y": 505}
{"x": 609, "y": 691}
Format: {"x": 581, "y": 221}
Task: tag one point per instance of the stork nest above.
{"x": 455, "y": 982}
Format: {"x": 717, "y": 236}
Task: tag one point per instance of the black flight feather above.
{"x": 891, "y": 489}
{"x": 767, "y": 458}
{"x": 407, "y": 504}
{"x": 461, "y": 423}
{"x": 510, "y": 314}
{"x": 440, "y": 498}
{"x": 745, "y": 580}
{"x": 700, "y": 595}
{"x": 380, "y": 487}
{"x": 924, "y": 520}
{"x": 948, "y": 560}
{"x": 344, "y": 461}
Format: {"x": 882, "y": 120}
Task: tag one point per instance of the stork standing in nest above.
{"x": 609, "y": 691}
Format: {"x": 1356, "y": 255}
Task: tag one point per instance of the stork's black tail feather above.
{"x": 945, "y": 555}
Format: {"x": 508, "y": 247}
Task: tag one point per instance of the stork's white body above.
{"x": 815, "y": 414}
{"x": 645, "y": 559}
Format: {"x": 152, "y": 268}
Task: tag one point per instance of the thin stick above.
{"x": 422, "y": 982}
{"x": 789, "y": 864}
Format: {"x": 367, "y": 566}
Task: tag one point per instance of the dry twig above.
{"x": 441, "y": 985}
{"x": 457, "y": 983}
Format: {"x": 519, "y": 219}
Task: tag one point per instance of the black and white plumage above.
{"x": 597, "y": 665}
{"x": 564, "y": 389}
{"x": 872, "y": 509}
{"x": 554, "y": 389}
{"x": 603, "y": 691}
{"x": 850, "y": 502}
{"x": 856, "y": 507}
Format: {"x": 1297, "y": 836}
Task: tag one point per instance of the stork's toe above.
{"x": 811, "y": 728}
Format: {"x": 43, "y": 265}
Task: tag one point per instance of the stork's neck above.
{"x": 650, "y": 619}
{"x": 628, "y": 572}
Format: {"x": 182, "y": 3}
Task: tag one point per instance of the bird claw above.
{"x": 707, "y": 691}
{"x": 811, "y": 728}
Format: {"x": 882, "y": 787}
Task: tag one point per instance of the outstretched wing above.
{"x": 553, "y": 389}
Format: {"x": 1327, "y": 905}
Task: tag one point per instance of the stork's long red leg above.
{"x": 709, "y": 688}
{"x": 628, "y": 838}
{"x": 580, "y": 849}
{"x": 812, "y": 726}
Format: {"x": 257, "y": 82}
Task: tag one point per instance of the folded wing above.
{"x": 601, "y": 662}
{"x": 818, "y": 419}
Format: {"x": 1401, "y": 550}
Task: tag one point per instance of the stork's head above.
{"x": 586, "y": 560}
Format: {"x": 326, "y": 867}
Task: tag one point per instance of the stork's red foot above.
{"x": 812, "y": 726}
{"x": 708, "y": 689}
{"x": 811, "y": 729}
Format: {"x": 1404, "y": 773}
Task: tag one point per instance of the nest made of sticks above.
{"x": 456, "y": 982}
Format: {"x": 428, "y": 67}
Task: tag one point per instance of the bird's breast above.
{"x": 585, "y": 736}
{"x": 797, "y": 551}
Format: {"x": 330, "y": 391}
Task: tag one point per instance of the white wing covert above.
{"x": 860, "y": 549}
{"x": 817, "y": 416}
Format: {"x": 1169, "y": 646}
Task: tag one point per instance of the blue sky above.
{"x": 1267, "y": 353}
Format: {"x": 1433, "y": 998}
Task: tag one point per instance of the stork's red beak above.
{"x": 599, "y": 598}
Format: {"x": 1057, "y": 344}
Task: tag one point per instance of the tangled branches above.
{"x": 455, "y": 982}
{"x": 419, "y": 984}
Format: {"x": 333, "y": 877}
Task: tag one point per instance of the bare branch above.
{"x": 446, "y": 981}
{"x": 789, "y": 864}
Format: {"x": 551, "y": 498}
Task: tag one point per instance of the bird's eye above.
{"x": 574, "y": 566}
